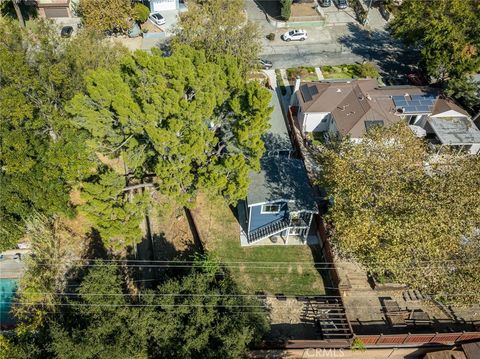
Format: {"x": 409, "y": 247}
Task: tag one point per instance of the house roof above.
{"x": 447, "y": 108}
{"x": 455, "y": 130}
{"x": 282, "y": 179}
{"x": 355, "y": 103}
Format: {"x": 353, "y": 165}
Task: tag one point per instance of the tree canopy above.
{"x": 220, "y": 27}
{"x": 206, "y": 319}
{"x": 179, "y": 123}
{"x": 107, "y": 15}
{"x": 42, "y": 154}
{"x": 405, "y": 214}
{"x": 447, "y": 32}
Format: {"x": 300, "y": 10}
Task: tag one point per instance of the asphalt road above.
{"x": 334, "y": 45}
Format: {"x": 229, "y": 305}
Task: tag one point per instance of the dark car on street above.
{"x": 264, "y": 64}
{"x": 67, "y": 31}
{"x": 325, "y": 3}
{"x": 342, "y": 4}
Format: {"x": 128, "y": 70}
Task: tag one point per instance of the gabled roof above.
{"x": 447, "y": 108}
{"x": 281, "y": 179}
{"x": 354, "y": 103}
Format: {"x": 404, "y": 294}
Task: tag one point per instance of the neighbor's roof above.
{"x": 355, "y": 103}
{"x": 281, "y": 178}
{"x": 455, "y": 130}
{"x": 444, "y": 106}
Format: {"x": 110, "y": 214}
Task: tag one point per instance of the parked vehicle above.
{"x": 325, "y": 3}
{"x": 264, "y": 64}
{"x": 295, "y": 35}
{"x": 67, "y": 31}
{"x": 342, "y": 4}
{"x": 156, "y": 18}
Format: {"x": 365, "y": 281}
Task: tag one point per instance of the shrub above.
{"x": 367, "y": 70}
{"x": 327, "y": 68}
{"x": 271, "y": 36}
{"x": 140, "y": 12}
{"x": 286, "y": 9}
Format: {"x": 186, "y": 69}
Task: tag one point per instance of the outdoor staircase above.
{"x": 268, "y": 230}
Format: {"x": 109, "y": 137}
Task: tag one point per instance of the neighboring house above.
{"x": 350, "y": 108}
{"x": 55, "y": 8}
{"x": 280, "y": 204}
{"x": 163, "y": 5}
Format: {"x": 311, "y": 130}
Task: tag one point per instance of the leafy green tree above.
{"x": 465, "y": 90}
{"x": 446, "y": 32}
{"x": 51, "y": 242}
{"x": 41, "y": 154}
{"x": 115, "y": 214}
{"x": 404, "y": 214}
{"x": 106, "y": 15}
{"x": 141, "y": 12}
{"x": 16, "y": 6}
{"x": 285, "y": 9}
{"x": 220, "y": 27}
{"x": 198, "y": 316}
{"x": 190, "y": 123}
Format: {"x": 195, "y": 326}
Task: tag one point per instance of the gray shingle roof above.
{"x": 282, "y": 179}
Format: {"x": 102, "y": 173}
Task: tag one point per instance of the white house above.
{"x": 163, "y": 5}
{"x": 350, "y": 108}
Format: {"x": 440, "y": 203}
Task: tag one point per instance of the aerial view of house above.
{"x": 239, "y": 179}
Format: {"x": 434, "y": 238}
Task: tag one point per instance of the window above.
{"x": 270, "y": 208}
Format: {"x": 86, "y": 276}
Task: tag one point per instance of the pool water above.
{"x": 7, "y": 294}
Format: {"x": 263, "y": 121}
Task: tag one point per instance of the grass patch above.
{"x": 306, "y": 73}
{"x": 219, "y": 230}
{"x": 350, "y": 71}
{"x": 280, "y": 82}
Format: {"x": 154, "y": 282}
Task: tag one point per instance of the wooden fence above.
{"x": 418, "y": 339}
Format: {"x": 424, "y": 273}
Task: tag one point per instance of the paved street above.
{"x": 343, "y": 40}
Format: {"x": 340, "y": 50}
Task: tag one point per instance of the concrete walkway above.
{"x": 319, "y": 73}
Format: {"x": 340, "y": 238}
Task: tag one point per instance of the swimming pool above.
{"x": 7, "y": 293}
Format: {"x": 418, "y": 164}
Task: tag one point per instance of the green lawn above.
{"x": 350, "y": 71}
{"x": 220, "y": 231}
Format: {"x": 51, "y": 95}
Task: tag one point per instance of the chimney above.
{"x": 293, "y": 98}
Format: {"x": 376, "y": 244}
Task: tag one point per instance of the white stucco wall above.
{"x": 314, "y": 121}
{"x": 474, "y": 149}
{"x": 162, "y": 5}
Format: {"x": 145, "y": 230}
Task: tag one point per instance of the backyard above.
{"x": 272, "y": 269}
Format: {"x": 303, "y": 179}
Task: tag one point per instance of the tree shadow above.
{"x": 271, "y": 8}
{"x": 380, "y": 47}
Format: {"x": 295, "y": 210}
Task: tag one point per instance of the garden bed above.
{"x": 350, "y": 71}
{"x": 306, "y": 74}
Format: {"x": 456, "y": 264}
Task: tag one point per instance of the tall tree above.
{"x": 178, "y": 123}
{"x": 404, "y": 214}
{"x": 220, "y": 27}
{"x": 106, "y": 15}
{"x": 198, "y": 316}
{"x": 16, "y": 7}
{"x": 42, "y": 155}
{"x": 446, "y": 32}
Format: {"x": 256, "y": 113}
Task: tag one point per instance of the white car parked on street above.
{"x": 295, "y": 35}
{"x": 156, "y": 18}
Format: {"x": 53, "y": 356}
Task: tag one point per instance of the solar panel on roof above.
{"x": 422, "y": 109}
{"x": 313, "y": 90}
{"x": 305, "y": 93}
{"x": 398, "y": 98}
